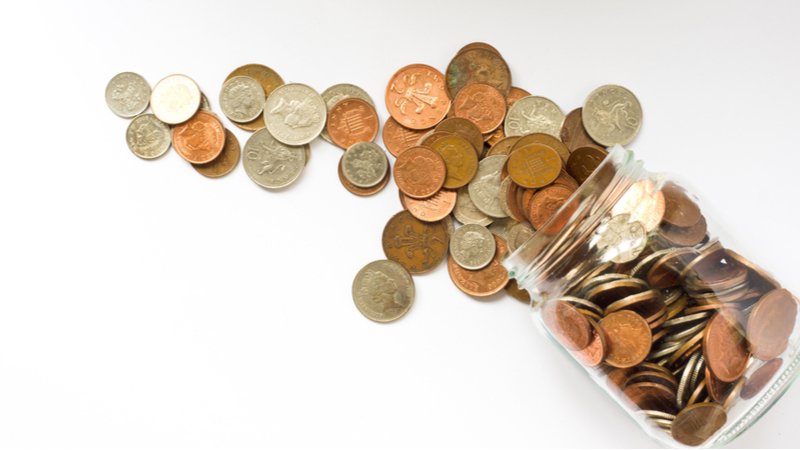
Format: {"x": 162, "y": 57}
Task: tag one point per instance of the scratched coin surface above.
{"x": 339, "y": 92}
{"x": 175, "y": 99}
{"x": 418, "y": 246}
{"x": 478, "y": 65}
{"x": 242, "y": 99}
{"x": 534, "y": 114}
{"x": 148, "y": 137}
{"x": 295, "y": 114}
{"x": 419, "y": 172}
{"x": 270, "y": 163}
{"x": 472, "y": 246}
{"x": 482, "y": 105}
{"x": 225, "y": 162}
{"x": 628, "y": 336}
{"x": 416, "y": 97}
{"x": 267, "y": 78}
{"x": 364, "y": 164}
{"x": 483, "y": 282}
{"x": 484, "y": 189}
{"x": 200, "y": 139}
{"x": 350, "y": 121}
{"x": 612, "y": 115}
{"x": 383, "y": 291}
{"x": 398, "y": 138}
{"x": 460, "y": 160}
{"x": 127, "y": 94}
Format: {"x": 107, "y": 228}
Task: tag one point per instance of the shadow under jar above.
{"x": 691, "y": 338}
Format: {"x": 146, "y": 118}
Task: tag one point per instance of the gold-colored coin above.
{"x": 534, "y": 166}
{"x": 459, "y": 158}
{"x": 418, "y": 246}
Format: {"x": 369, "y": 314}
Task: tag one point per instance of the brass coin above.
{"x": 543, "y": 139}
{"x": 583, "y": 161}
{"x": 695, "y": 424}
{"x": 459, "y": 158}
{"x": 573, "y": 134}
{"x": 534, "y": 166}
{"x": 418, "y": 246}
{"x": 464, "y": 128}
{"x": 225, "y": 162}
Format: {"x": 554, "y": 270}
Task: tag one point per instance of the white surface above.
{"x": 143, "y": 305}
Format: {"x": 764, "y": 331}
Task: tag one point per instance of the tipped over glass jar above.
{"x": 694, "y": 340}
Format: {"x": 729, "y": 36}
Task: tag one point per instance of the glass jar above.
{"x": 692, "y": 339}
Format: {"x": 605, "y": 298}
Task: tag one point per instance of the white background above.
{"x": 143, "y": 305}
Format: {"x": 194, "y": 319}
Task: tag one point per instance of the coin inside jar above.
{"x": 364, "y": 164}
{"x": 696, "y": 423}
{"x": 770, "y": 324}
{"x": 629, "y": 338}
{"x": 472, "y": 246}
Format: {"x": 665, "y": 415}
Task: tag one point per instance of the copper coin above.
{"x": 545, "y": 203}
{"x": 534, "y": 166}
{"x": 564, "y": 179}
{"x": 482, "y": 45}
{"x": 760, "y": 378}
{"x": 503, "y": 147}
{"x": 494, "y": 137}
{"x": 571, "y": 328}
{"x": 199, "y": 139}
{"x": 594, "y": 353}
{"x": 431, "y": 209}
{"x": 696, "y": 423}
{"x": 398, "y": 138}
{"x": 484, "y": 282}
{"x": 543, "y": 139}
{"x": 770, "y": 324}
{"x": 666, "y": 271}
{"x": 651, "y": 396}
{"x": 361, "y": 192}
{"x": 430, "y": 138}
{"x": 681, "y": 211}
{"x": 225, "y": 162}
{"x": 573, "y": 134}
{"x": 724, "y": 345}
{"x": 352, "y": 120}
{"x": 518, "y": 293}
{"x": 481, "y": 104}
{"x": 583, "y": 161}
{"x": 685, "y": 236}
{"x": 267, "y": 78}
{"x": 628, "y": 337}
{"x": 464, "y": 128}
{"x": 717, "y": 389}
{"x": 459, "y": 159}
{"x": 418, "y": 246}
{"x": 419, "y": 172}
{"x": 515, "y": 94}
{"x": 478, "y": 65}
{"x": 416, "y": 97}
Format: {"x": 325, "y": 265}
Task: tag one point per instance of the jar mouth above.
{"x": 550, "y": 248}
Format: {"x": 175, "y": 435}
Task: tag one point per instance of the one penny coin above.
{"x": 199, "y": 139}
{"x": 569, "y": 326}
{"x": 419, "y": 172}
{"x": 724, "y": 346}
{"x": 352, "y": 120}
{"x": 534, "y": 166}
{"x": 629, "y": 338}
{"x": 583, "y": 161}
{"x": 680, "y": 210}
{"x": 770, "y": 324}
{"x": 545, "y": 203}
{"x": 760, "y": 378}
{"x": 698, "y": 422}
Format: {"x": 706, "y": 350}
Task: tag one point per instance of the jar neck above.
{"x": 560, "y": 252}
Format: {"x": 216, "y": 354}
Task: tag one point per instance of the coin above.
{"x": 621, "y": 239}
{"x": 241, "y": 99}
{"x": 460, "y": 160}
{"x": 518, "y": 293}
{"x": 148, "y": 137}
{"x": 466, "y": 212}
{"x": 127, "y": 94}
{"x": 534, "y": 114}
{"x": 695, "y": 424}
{"x": 200, "y": 139}
{"x": 643, "y": 202}
{"x": 545, "y": 203}
{"x": 478, "y": 65}
{"x": 770, "y": 324}
{"x": 515, "y": 94}
{"x": 484, "y": 282}
{"x": 364, "y": 164}
{"x": 295, "y": 114}
{"x": 205, "y": 105}
{"x": 464, "y": 128}
{"x": 612, "y": 115}
{"x": 484, "y": 188}
{"x": 337, "y": 93}
{"x": 583, "y": 161}
{"x": 628, "y": 336}
{"x": 416, "y": 97}
{"x": 431, "y": 209}
{"x": 270, "y": 163}
{"x": 225, "y": 162}
{"x": 724, "y": 346}
{"x": 760, "y": 378}
{"x": 680, "y": 211}
{"x": 573, "y": 134}
{"x": 473, "y": 45}
{"x": 418, "y": 246}
{"x": 482, "y": 104}
{"x": 688, "y": 236}
{"x": 352, "y": 120}
{"x": 175, "y": 99}
{"x": 361, "y": 192}
{"x": 267, "y": 78}
{"x": 569, "y": 327}
{"x": 518, "y": 235}
{"x": 594, "y": 353}
{"x": 543, "y": 139}
{"x": 398, "y": 138}
{"x": 419, "y": 172}
{"x": 472, "y": 246}
{"x": 534, "y": 166}
{"x": 383, "y": 291}
{"x": 503, "y": 146}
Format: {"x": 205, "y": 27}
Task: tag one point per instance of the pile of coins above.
{"x": 470, "y": 146}
{"x": 681, "y": 326}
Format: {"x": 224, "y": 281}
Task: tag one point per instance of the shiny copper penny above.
{"x": 398, "y": 138}
{"x": 350, "y": 121}
{"x": 724, "y": 345}
{"x": 571, "y": 328}
{"x": 431, "y": 209}
{"x": 681, "y": 211}
{"x": 545, "y": 203}
{"x": 459, "y": 157}
{"x": 267, "y": 78}
{"x": 515, "y": 94}
{"x": 770, "y": 324}
{"x": 416, "y": 97}
{"x": 760, "y": 378}
{"x": 481, "y": 104}
{"x": 418, "y": 246}
{"x": 594, "y": 353}
{"x": 464, "y": 128}
{"x": 419, "y": 172}
{"x": 573, "y": 134}
{"x": 534, "y": 166}
{"x": 225, "y": 162}
{"x": 484, "y": 282}
{"x": 200, "y": 139}
{"x": 583, "y": 161}
{"x": 361, "y": 192}
{"x": 628, "y": 337}
{"x": 696, "y": 423}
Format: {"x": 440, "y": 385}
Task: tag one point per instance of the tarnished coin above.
{"x": 696, "y": 423}
{"x": 466, "y": 212}
{"x": 127, "y": 94}
{"x": 760, "y": 378}
{"x": 534, "y": 166}
{"x": 612, "y": 115}
{"x": 478, "y": 65}
{"x": 545, "y": 203}
{"x": 175, "y": 99}
{"x": 337, "y": 93}
{"x": 460, "y": 160}
{"x": 416, "y": 96}
{"x": 242, "y": 99}
{"x": 419, "y": 172}
{"x": 643, "y": 202}
{"x": 771, "y": 323}
{"x": 573, "y": 134}
{"x": 628, "y": 336}
{"x": 431, "y": 209}
{"x": 383, "y": 291}
{"x": 398, "y": 138}
{"x": 267, "y": 78}
{"x": 680, "y": 210}
{"x": 365, "y": 164}
{"x": 534, "y": 114}
{"x": 295, "y": 114}
{"x": 350, "y": 121}
{"x": 621, "y": 239}
{"x": 270, "y": 163}
{"x": 724, "y": 345}
{"x": 583, "y": 161}
{"x": 200, "y": 139}
{"x": 484, "y": 189}
{"x": 484, "y": 282}
{"x": 570, "y": 327}
{"x": 481, "y": 104}
{"x": 418, "y": 246}
{"x": 225, "y": 162}
{"x": 472, "y": 246}
{"x": 148, "y": 137}
{"x": 464, "y": 128}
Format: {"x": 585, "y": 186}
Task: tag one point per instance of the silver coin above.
{"x": 364, "y": 164}
{"x": 465, "y": 210}
{"x": 484, "y": 189}
{"x": 337, "y": 93}
{"x": 501, "y": 226}
{"x": 295, "y": 114}
{"x": 148, "y": 137}
{"x": 242, "y": 99}
{"x": 533, "y": 114}
{"x": 612, "y": 115}
{"x": 621, "y": 239}
{"x": 175, "y": 99}
{"x": 472, "y": 246}
{"x": 383, "y": 291}
{"x": 271, "y": 163}
{"x": 205, "y": 105}
{"x": 127, "y": 94}
{"x": 518, "y": 235}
